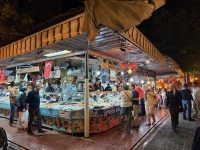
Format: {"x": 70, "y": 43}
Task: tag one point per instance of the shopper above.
{"x": 126, "y": 107}
{"x": 13, "y": 95}
{"x": 174, "y": 103}
{"x": 33, "y": 99}
{"x": 186, "y": 102}
{"x": 49, "y": 89}
{"x": 135, "y": 100}
{"x": 141, "y": 99}
{"x": 58, "y": 91}
{"x": 22, "y": 108}
{"x": 67, "y": 91}
{"x": 91, "y": 86}
{"x": 149, "y": 106}
{"x": 108, "y": 88}
{"x": 97, "y": 85}
{"x": 196, "y": 97}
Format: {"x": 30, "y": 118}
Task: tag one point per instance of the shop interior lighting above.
{"x": 127, "y": 83}
{"x": 57, "y": 53}
{"x": 131, "y": 79}
{"x": 147, "y": 61}
{"x": 8, "y": 83}
{"x": 142, "y": 81}
{"x": 130, "y": 71}
{"x": 98, "y": 72}
{"x": 122, "y": 73}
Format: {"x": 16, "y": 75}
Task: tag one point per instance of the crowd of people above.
{"x": 131, "y": 96}
{"x": 176, "y": 100}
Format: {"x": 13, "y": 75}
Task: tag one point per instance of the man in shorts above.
{"x": 196, "y": 97}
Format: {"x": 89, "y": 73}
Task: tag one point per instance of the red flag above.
{"x": 3, "y": 74}
{"x": 47, "y": 69}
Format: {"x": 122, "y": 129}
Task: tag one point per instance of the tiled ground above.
{"x": 182, "y": 139}
{"x": 112, "y": 139}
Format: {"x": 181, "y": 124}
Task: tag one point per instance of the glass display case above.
{"x": 65, "y": 111}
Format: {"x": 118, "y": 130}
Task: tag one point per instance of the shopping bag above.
{"x": 26, "y": 115}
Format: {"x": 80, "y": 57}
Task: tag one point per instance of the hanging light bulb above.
{"x": 130, "y": 71}
{"x": 142, "y": 81}
{"x": 98, "y": 72}
{"x": 122, "y": 73}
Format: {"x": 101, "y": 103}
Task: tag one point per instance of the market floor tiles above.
{"x": 112, "y": 139}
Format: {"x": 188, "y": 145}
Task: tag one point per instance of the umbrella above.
{"x": 118, "y": 15}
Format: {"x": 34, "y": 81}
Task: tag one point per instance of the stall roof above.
{"x": 67, "y": 35}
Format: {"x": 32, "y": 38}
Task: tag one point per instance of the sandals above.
{"x": 148, "y": 124}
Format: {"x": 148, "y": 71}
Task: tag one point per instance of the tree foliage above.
{"x": 19, "y": 16}
{"x": 175, "y": 30}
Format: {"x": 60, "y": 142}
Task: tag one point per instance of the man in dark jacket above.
{"x": 33, "y": 99}
{"x": 22, "y": 108}
{"x": 186, "y": 101}
{"x": 174, "y": 103}
{"x": 108, "y": 88}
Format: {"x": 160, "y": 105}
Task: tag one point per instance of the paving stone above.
{"x": 180, "y": 140}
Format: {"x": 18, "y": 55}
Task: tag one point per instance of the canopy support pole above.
{"x": 86, "y": 113}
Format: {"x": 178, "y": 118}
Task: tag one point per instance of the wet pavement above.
{"x": 12, "y": 146}
{"x": 112, "y": 139}
{"x": 181, "y": 139}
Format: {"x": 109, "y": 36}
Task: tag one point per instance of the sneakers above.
{"x": 148, "y": 124}
{"x": 153, "y": 122}
{"x": 42, "y": 132}
{"x": 194, "y": 116}
{"x": 30, "y": 133}
{"x": 191, "y": 119}
{"x": 11, "y": 124}
{"x": 133, "y": 127}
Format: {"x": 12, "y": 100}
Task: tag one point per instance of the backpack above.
{"x": 17, "y": 99}
{"x": 3, "y": 139}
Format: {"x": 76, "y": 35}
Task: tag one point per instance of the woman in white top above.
{"x": 126, "y": 107}
{"x": 164, "y": 97}
{"x": 149, "y": 106}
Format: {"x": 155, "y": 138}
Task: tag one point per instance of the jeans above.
{"x": 174, "y": 111}
{"x": 12, "y": 112}
{"x": 32, "y": 113}
{"x": 186, "y": 106}
{"x": 125, "y": 111}
{"x": 135, "y": 115}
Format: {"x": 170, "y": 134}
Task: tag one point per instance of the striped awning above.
{"x": 71, "y": 28}
{"x": 59, "y": 32}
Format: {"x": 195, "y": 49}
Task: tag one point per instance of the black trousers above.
{"x": 196, "y": 141}
{"x": 174, "y": 111}
{"x": 143, "y": 107}
{"x": 32, "y": 113}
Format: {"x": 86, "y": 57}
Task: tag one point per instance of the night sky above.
{"x": 67, "y": 5}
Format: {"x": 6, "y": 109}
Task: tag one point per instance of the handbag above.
{"x": 129, "y": 98}
{"x": 155, "y": 100}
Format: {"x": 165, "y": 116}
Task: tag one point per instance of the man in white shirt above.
{"x": 196, "y": 97}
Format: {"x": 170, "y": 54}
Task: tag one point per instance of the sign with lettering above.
{"x": 27, "y": 70}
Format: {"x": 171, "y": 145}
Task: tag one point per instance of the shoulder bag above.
{"x": 129, "y": 98}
